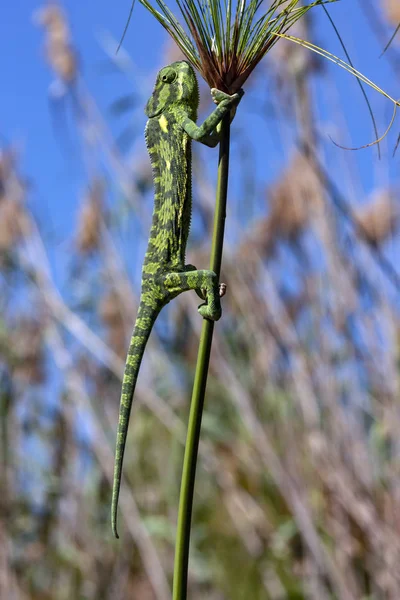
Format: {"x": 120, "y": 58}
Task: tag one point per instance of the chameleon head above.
{"x": 176, "y": 83}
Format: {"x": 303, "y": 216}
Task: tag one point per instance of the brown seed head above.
{"x": 90, "y": 219}
{"x": 7, "y": 161}
{"x": 110, "y": 309}
{"x": 293, "y": 198}
{"x": 379, "y": 218}
{"x": 111, "y": 313}
{"x": 26, "y": 341}
{"x": 12, "y": 223}
{"x": 59, "y": 51}
{"x": 392, "y": 11}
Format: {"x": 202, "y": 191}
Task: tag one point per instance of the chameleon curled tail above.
{"x": 145, "y": 320}
{"x": 170, "y": 284}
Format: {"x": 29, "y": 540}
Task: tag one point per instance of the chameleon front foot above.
{"x": 220, "y": 97}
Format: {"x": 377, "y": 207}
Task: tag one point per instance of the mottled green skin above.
{"x": 172, "y": 112}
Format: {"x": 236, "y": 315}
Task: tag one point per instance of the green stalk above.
{"x": 200, "y": 382}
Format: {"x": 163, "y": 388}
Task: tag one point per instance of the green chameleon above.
{"x": 172, "y": 111}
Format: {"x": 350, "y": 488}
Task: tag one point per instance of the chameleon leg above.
{"x": 204, "y": 283}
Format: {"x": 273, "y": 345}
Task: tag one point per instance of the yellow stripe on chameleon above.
{"x": 163, "y": 123}
{"x": 151, "y": 268}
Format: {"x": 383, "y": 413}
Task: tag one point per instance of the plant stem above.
{"x": 200, "y": 382}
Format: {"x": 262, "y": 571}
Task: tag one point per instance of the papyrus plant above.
{"x": 227, "y": 39}
{"x": 224, "y": 40}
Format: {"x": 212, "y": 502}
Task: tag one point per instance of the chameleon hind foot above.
{"x": 203, "y": 293}
{"x": 205, "y": 284}
{"x": 212, "y": 311}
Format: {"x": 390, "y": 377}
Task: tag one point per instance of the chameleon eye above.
{"x": 169, "y": 77}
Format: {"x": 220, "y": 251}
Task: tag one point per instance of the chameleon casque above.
{"x": 172, "y": 111}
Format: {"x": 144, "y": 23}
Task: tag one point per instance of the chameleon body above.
{"x": 172, "y": 111}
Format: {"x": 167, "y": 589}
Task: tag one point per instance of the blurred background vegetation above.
{"x": 298, "y": 487}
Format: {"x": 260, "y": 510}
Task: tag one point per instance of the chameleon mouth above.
{"x": 154, "y": 113}
{"x": 155, "y": 105}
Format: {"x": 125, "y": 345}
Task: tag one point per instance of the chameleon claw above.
{"x": 218, "y": 96}
{"x": 222, "y": 289}
{"x": 214, "y": 93}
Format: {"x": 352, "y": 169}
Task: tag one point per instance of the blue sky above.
{"x": 58, "y": 179}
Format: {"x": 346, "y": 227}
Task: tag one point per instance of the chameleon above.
{"x": 170, "y": 129}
